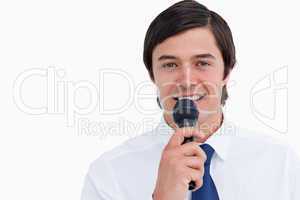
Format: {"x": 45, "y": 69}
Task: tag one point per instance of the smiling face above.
{"x": 190, "y": 65}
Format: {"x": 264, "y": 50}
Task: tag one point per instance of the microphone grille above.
{"x": 185, "y": 113}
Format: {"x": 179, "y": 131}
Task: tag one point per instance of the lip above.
{"x": 195, "y": 97}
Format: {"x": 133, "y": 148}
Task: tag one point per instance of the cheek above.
{"x": 213, "y": 82}
{"x": 214, "y": 89}
{"x": 166, "y": 99}
{"x": 164, "y": 83}
{"x": 163, "y": 78}
{"x": 166, "y": 92}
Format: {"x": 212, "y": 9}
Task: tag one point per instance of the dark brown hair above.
{"x": 186, "y": 15}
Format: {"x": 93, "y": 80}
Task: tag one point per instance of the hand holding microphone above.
{"x": 185, "y": 114}
{"x": 182, "y": 162}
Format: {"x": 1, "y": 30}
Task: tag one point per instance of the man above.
{"x": 189, "y": 54}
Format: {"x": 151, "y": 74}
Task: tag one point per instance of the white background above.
{"x": 43, "y": 156}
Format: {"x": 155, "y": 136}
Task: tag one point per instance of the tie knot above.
{"x": 209, "y": 151}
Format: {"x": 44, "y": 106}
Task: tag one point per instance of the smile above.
{"x": 196, "y": 97}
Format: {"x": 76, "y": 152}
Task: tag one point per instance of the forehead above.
{"x": 188, "y": 43}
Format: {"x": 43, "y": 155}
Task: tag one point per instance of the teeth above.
{"x": 194, "y": 97}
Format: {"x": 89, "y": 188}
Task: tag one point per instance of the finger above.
{"x": 197, "y": 177}
{"x": 194, "y": 162}
{"x": 178, "y": 137}
{"x": 192, "y": 149}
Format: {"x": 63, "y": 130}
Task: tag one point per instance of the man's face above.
{"x": 190, "y": 65}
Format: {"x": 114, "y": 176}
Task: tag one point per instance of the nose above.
{"x": 187, "y": 78}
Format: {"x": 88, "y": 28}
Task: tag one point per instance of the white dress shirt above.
{"x": 245, "y": 165}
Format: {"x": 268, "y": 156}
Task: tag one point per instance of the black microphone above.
{"x": 185, "y": 114}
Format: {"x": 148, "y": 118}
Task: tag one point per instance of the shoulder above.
{"x": 249, "y": 141}
{"x": 148, "y": 142}
{"x": 115, "y": 164}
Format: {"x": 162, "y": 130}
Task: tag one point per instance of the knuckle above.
{"x": 195, "y": 144}
{"x": 178, "y": 132}
{"x": 201, "y": 172}
{"x": 167, "y": 155}
{"x": 199, "y": 161}
{"x": 199, "y": 183}
{"x": 204, "y": 156}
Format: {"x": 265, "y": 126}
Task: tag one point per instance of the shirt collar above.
{"x": 219, "y": 140}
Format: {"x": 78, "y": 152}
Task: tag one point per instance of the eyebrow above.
{"x": 167, "y": 57}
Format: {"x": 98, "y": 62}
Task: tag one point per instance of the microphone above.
{"x": 185, "y": 114}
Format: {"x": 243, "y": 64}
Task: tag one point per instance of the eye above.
{"x": 203, "y": 64}
{"x": 169, "y": 65}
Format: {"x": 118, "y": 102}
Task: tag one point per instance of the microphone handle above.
{"x": 192, "y": 184}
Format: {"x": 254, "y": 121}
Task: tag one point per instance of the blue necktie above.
{"x": 208, "y": 190}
